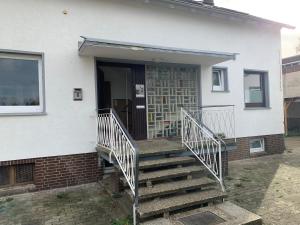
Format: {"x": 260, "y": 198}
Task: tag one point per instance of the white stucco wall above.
{"x": 70, "y": 127}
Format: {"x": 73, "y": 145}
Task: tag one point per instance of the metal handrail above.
{"x": 203, "y": 143}
{"x": 220, "y": 119}
{"x": 113, "y": 136}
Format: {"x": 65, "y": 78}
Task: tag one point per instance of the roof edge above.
{"x": 222, "y": 11}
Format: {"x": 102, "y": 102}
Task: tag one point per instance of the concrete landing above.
{"x": 157, "y": 146}
{"x": 230, "y": 213}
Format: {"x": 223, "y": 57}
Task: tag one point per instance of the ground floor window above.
{"x": 16, "y": 175}
{"x": 21, "y": 83}
{"x": 255, "y": 88}
{"x": 168, "y": 89}
{"x": 257, "y": 145}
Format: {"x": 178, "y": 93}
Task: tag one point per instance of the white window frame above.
{"x": 257, "y": 150}
{"x": 27, "y": 109}
{"x": 221, "y": 76}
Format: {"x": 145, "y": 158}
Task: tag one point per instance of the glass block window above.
{"x": 168, "y": 89}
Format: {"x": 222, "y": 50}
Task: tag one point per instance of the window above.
{"x": 257, "y": 145}
{"x": 16, "y": 175}
{"x": 219, "y": 79}
{"x": 21, "y": 83}
{"x": 255, "y": 84}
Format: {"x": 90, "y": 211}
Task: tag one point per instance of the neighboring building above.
{"x": 145, "y": 59}
{"x": 291, "y": 88}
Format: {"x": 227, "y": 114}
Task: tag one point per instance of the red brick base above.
{"x": 274, "y": 144}
{"x": 62, "y": 171}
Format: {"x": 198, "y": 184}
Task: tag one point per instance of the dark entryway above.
{"x": 122, "y": 87}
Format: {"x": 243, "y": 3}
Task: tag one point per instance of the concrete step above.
{"x": 230, "y": 213}
{"x": 161, "y": 152}
{"x": 169, "y": 173}
{"x": 166, "y": 205}
{"x": 173, "y": 187}
{"x": 147, "y": 164}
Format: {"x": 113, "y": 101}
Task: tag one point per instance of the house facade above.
{"x": 62, "y": 62}
{"x": 291, "y": 87}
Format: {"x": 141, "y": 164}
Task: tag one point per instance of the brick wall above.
{"x": 274, "y": 144}
{"x": 225, "y": 163}
{"x": 62, "y": 171}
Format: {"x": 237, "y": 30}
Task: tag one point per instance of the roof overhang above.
{"x": 198, "y": 6}
{"x": 108, "y": 49}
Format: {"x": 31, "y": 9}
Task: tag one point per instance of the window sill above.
{"x": 257, "y": 108}
{"x": 24, "y": 114}
{"x": 215, "y": 91}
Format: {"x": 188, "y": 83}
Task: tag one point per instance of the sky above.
{"x": 284, "y": 11}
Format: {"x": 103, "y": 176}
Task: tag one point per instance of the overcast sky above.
{"x": 285, "y": 11}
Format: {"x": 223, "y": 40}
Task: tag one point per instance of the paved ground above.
{"x": 84, "y": 205}
{"x": 269, "y": 186}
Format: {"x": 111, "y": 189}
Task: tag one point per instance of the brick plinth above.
{"x": 274, "y": 144}
{"x": 62, "y": 171}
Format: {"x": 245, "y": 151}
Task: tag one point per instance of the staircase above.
{"x": 170, "y": 182}
{"x": 165, "y": 179}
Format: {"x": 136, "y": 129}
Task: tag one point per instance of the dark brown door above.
{"x": 139, "y": 118}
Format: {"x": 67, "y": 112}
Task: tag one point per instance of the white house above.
{"x": 61, "y": 62}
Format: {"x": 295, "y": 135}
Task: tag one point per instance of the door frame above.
{"x": 137, "y": 71}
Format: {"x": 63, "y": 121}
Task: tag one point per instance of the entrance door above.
{"x": 139, "y": 103}
{"x": 122, "y": 87}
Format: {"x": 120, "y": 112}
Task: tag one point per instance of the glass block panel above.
{"x": 168, "y": 89}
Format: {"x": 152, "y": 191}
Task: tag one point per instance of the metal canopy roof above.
{"x": 148, "y": 53}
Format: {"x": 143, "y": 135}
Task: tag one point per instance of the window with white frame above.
{"x": 21, "y": 83}
{"x": 219, "y": 79}
{"x": 257, "y": 145}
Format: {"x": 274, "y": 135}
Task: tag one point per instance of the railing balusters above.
{"x": 203, "y": 144}
{"x": 113, "y": 135}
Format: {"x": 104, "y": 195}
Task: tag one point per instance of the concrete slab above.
{"x": 227, "y": 212}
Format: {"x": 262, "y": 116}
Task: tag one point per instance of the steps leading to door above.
{"x": 150, "y": 164}
{"x": 172, "y": 182}
{"x": 174, "y": 187}
{"x": 167, "y": 205}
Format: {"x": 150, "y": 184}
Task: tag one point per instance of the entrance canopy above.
{"x": 148, "y": 53}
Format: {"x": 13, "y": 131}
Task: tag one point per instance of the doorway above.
{"x": 122, "y": 87}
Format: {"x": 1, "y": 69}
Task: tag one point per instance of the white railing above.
{"x": 203, "y": 144}
{"x": 219, "y": 119}
{"x": 113, "y": 136}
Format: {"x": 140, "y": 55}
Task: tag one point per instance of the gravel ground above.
{"x": 269, "y": 186}
{"x": 82, "y": 205}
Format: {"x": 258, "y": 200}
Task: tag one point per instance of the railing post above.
{"x": 136, "y": 190}
{"x": 182, "y": 130}
{"x": 234, "y": 123}
{"x": 111, "y": 135}
{"x": 220, "y": 167}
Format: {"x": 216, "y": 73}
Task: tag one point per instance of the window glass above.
{"x": 257, "y": 145}
{"x": 255, "y": 89}
{"x": 216, "y": 78}
{"x": 20, "y": 83}
{"x": 219, "y": 79}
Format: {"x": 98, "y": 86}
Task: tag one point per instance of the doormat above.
{"x": 204, "y": 218}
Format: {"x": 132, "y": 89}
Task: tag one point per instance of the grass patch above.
{"x": 9, "y": 199}
{"x": 63, "y": 196}
{"x": 239, "y": 185}
{"x": 126, "y": 221}
{"x": 246, "y": 179}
